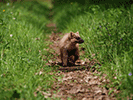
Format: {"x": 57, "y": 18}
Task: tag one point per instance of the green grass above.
{"x": 107, "y": 33}
{"x": 22, "y": 48}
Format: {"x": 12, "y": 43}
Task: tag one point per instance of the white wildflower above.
{"x": 8, "y": 4}
{"x": 11, "y": 35}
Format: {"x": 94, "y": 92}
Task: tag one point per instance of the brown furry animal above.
{"x": 69, "y": 48}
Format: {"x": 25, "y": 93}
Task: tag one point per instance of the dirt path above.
{"x": 78, "y": 82}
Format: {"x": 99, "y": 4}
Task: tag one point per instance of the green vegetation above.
{"x": 107, "y": 33}
{"x": 22, "y": 46}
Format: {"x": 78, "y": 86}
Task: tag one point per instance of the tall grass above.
{"x": 22, "y": 46}
{"x": 107, "y": 34}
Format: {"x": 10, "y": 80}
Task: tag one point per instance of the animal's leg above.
{"x": 64, "y": 57}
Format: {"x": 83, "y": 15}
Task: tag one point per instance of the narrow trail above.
{"x": 78, "y": 82}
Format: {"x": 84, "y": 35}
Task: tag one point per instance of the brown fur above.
{"x": 69, "y": 48}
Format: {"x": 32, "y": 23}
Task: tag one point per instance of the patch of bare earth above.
{"x": 79, "y": 82}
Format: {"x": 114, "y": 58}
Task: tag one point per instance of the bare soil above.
{"x": 79, "y": 82}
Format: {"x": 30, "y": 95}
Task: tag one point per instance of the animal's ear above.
{"x": 77, "y": 32}
{"x": 71, "y": 34}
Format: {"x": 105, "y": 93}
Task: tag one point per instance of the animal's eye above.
{"x": 78, "y": 38}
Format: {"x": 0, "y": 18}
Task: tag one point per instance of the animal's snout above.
{"x": 81, "y": 41}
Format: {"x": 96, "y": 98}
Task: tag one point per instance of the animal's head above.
{"x": 75, "y": 37}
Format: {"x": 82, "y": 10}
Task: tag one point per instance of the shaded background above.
{"x": 114, "y": 3}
